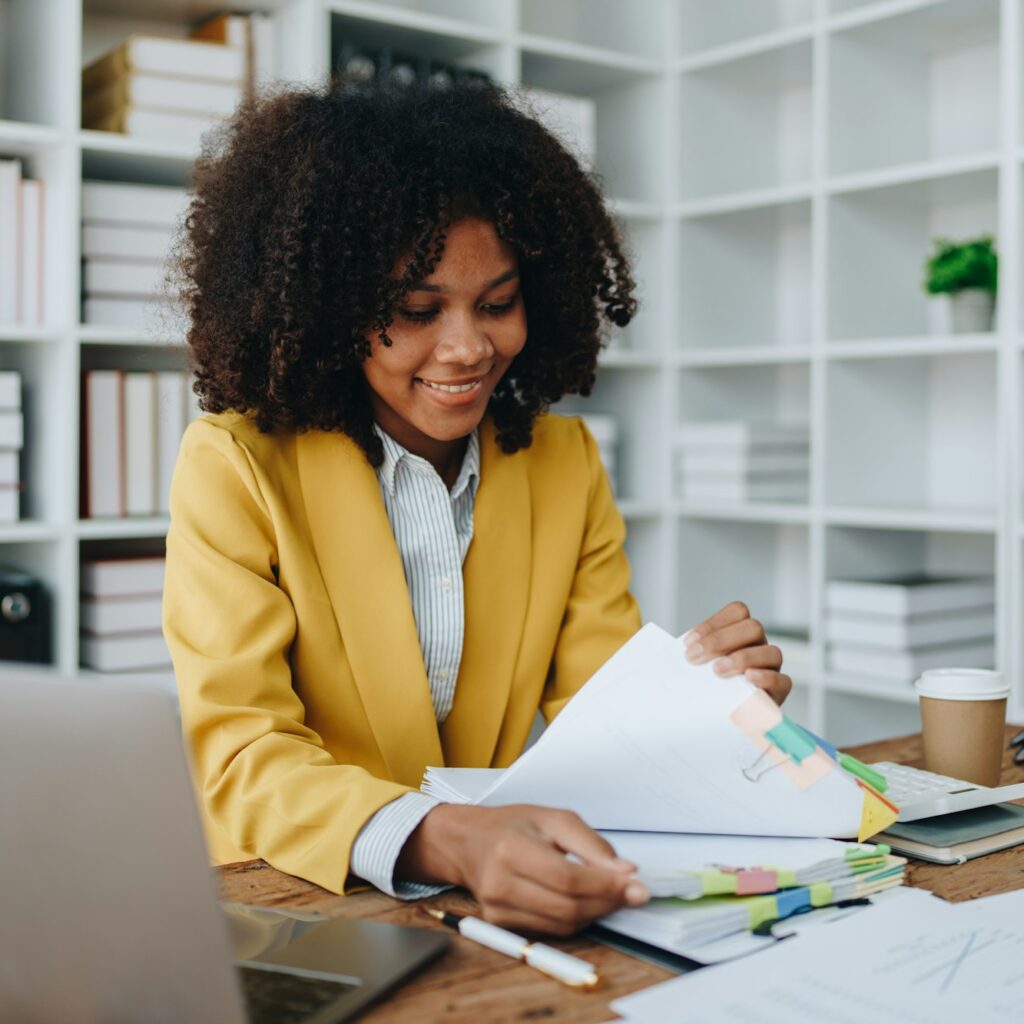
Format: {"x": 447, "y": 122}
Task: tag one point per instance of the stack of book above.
{"x": 165, "y": 89}
{"x": 126, "y": 234}
{"x": 252, "y": 34}
{"x": 605, "y": 431}
{"x": 132, "y": 426}
{"x": 897, "y": 628}
{"x": 21, "y": 246}
{"x": 743, "y": 460}
{"x": 120, "y": 615}
{"x": 12, "y": 437}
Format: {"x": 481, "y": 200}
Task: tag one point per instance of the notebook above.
{"x": 956, "y": 838}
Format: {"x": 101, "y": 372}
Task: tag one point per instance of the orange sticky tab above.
{"x": 877, "y": 813}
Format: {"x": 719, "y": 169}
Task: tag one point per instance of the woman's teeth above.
{"x": 456, "y": 389}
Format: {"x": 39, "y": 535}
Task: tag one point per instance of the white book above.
{"x": 140, "y": 278}
{"x": 125, "y": 242}
{"x": 264, "y": 63}
{"x": 140, "y": 443}
{"x": 117, "y": 615}
{"x": 742, "y": 432}
{"x": 205, "y": 97}
{"x": 163, "y": 125}
{"x": 12, "y": 429}
{"x": 186, "y": 58}
{"x": 30, "y": 304}
{"x": 10, "y": 212}
{"x": 10, "y": 504}
{"x": 104, "y": 492}
{"x": 896, "y": 633}
{"x": 739, "y": 491}
{"x": 10, "y": 389}
{"x": 153, "y": 315}
{"x": 908, "y": 665}
{"x": 123, "y": 577}
{"x": 916, "y": 594}
{"x": 122, "y": 203}
{"x": 10, "y": 472}
{"x": 742, "y": 461}
{"x": 172, "y": 407}
{"x": 128, "y": 653}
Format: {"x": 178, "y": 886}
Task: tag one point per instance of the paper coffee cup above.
{"x": 963, "y": 718}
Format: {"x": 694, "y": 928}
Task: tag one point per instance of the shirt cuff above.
{"x": 380, "y": 841}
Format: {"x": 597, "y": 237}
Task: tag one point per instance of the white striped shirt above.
{"x": 433, "y": 529}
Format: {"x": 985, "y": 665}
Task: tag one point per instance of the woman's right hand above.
{"x": 514, "y": 861}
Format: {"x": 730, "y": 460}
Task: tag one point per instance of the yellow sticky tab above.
{"x": 876, "y": 815}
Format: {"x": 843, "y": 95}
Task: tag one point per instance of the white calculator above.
{"x": 921, "y": 794}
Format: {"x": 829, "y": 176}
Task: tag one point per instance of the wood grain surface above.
{"x": 471, "y": 984}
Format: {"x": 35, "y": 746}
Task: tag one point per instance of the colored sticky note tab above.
{"x": 824, "y": 744}
{"x": 717, "y": 883}
{"x": 876, "y": 815}
{"x": 866, "y": 852}
{"x": 761, "y": 909}
{"x": 789, "y": 901}
{"x": 870, "y": 775}
{"x": 791, "y": 740}
{"x": 821, "y": 894}
{"x": 753, "y": 881}
{"x": 786, "y": 877}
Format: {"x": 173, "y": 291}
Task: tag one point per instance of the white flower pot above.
{"x": 973, "y": 309}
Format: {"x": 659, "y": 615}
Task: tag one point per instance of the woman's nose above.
{"x": 464, "y": 341}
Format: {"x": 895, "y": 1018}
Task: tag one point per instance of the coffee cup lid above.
{"x": 962, "y": 684}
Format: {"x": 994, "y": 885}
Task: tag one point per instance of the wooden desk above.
{"x": 471, "y": 984}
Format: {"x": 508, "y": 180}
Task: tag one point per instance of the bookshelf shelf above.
{"x": 866, "y": 686}
{"x": 778, "y": 171}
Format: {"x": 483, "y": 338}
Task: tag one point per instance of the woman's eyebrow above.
{"x": 500, "y": 279}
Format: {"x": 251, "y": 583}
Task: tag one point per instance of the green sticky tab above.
{"x": 791, "y": 740}
{"x": 717, "y": 883}
{"x": 872, "y": 777}
{"x": 785, "y": 878}
{"x": 860, "y": 867}
{"x": 761, "y": 909}
{"x": 821, "y": 894}
{"x": 862, "y": 852}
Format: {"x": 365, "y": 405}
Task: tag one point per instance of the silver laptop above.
{"x": 109, "y": 909}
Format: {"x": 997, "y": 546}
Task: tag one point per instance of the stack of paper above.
{"x": 126, "y": 234}
{"x": 163, "y": 88}
{"x": 653, "y": 743}
{"x": 739, "y": 461}
{"x": 898, "y": 627}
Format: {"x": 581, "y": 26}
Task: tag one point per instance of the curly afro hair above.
{"x": 308, "y": 199}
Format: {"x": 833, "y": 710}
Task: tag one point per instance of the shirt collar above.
{"x": 395, "y": 454}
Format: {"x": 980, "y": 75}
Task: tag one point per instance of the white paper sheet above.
{"x": 912, "y": 960}
{"x": 649, "y": 744}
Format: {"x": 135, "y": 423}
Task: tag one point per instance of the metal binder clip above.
{"x": 751, "y": 772}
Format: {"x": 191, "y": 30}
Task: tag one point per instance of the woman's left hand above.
{"x": 740, "y": 646}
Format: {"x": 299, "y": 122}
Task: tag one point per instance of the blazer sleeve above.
{"x": 263, "y": 777}
{"x": 601, "y": 613}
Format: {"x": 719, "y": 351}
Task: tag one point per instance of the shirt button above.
{"x": 444, "y": 675}
{"x": 446, "y": 583}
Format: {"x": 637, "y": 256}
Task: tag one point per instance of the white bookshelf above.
{"x": 779, "y": 168}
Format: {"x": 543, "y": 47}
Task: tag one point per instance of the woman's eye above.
{"x": 497, "y": 308}
{"x": 419, "y": 316}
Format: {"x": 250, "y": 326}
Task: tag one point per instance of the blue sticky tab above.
{"x": 789, "y": 901}
{"x": 824, "y": 744}
{"x": 791, "y": 740}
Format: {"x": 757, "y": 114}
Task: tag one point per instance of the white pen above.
{"x": 569, "y": 970}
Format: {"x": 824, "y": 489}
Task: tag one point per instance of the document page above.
{"x": 915, "y": 960}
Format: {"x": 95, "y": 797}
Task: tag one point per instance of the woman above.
{"x": 383, "y": 553}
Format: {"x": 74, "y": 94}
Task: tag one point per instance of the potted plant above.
{"x": 967, "y": 272}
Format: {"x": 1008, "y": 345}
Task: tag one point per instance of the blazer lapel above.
{"x": 363, "y": 573}
{"x": 496, "y": 577}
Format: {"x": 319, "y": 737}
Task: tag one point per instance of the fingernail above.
{"x": 755, "y": 675}
{"x": 724, "y": 666}
{"x": 694, "y": 651}
{"x": 636, "y": 893}
{"x": 623, "y": 865}
{"x": 689, "y": 636}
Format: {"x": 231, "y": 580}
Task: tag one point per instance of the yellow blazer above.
{"x": 303, "y": 692}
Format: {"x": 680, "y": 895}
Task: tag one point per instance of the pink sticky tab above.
{"x": 755, "y": 881}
